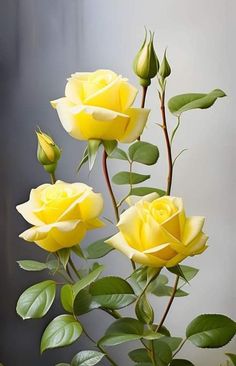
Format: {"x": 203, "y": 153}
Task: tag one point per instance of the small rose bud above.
{"x": 165, "y": 69}
{"x": 146, "y": 64}
{"x": 48, "y": 153}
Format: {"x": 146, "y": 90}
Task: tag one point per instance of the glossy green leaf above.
{"x": 98, "y": 249}
{"x": 109, "y": 146}
{"x": 143, "y": 191}
{"x": 67, "y": 298}
{"x": 144, "y": 153}
{"x": 181, "y": 362}
{"x": 159, "y": 288}
{"x": 144, "y": 310}
{"x": 78, "y": 251}
{"x": 185, "y": 272}
{"x": 139, "y": 355}
{"x": 29, "y": 265}
{"x": 62, "y": 331}
{"x": 64, "y": 255}
{"x": 129, "y": 178}
{"x": 185, "y": 102}
{"x": 83, "y": 302}
{"x": 87, "y": 280}
{"x": 125, "y": 330}
{"x": 36, "y": 300}
{"x": 162, "y": 351}
{"x": 211, "y": 331}
{"x": 87, "y": 358}
{"x": 93, "y": 147}
{"x": 112, "y": 292}
{"x": 232, "y": 358}
{"x": 173, "y": 342}
{"x": 118, "y": 154}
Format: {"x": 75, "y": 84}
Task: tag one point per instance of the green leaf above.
{"x": 118, "y": 154}
{"x": 180, "y": 362}
{"x": 36, "y": 300}
{"x": 109, "y": 146}
{"x": 87, "y": 358}
{"x": 144, "y": 153}
{"x": 29, "y": 265}
{"x": 67, "y": 298}
{"x": 211, "y": 331}
{"x": 62, "y": 364}
{"x": 139, "y": 355}
{"x": 64, "y": 255}
{"x": 129, "y": 178}
{"x": 173, "y": 342}
{"x": 98, "y": 249}
{"x": 112, "y": 292}
{"x": 159, "y": 288}
{"x": 162, "y": 351}
{"x": 83, "y": 302}
{"x": 185, "y": 272}
{"x": 62, "y": 331}
{"x": 78, "y": 251}
{"x": 232, "y": 358}
{"x": 93, "y": 146}
{"x": 125, "y": 330}
{"x": 87, "y": 280}
{"x": 144, "y": 310}
{"x": 184, "y": 102}
{"x": 83, "y": 160}
{"x": 143, "y": 191}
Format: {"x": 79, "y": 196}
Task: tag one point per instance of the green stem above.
{"x": 175, "y": 129}
{"x": 74, "y": 268}
{"x": 168, "y": 144}
{"x": 168, "y": 305}
{"x": 107, "y": 179}
{"x": 100, "y": 348}
{"x": 144, "y": 94}
{"x": 180, "y": 347}
{"x": 53, "y": 178}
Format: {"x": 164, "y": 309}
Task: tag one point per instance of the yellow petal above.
{"x": 193, "y": 226}
{"x": 198, "y": 245}
{"x": 131, "y": 232}
{"x": 118, "y": 242}
{"x": 74, "y": 90}
{"x": 107, "y": 97}
{"x": 127, "y": 95}
{"x": 98, "y": 123}
{"x": 137, "y": 122}
{"x": 25, "y": 209}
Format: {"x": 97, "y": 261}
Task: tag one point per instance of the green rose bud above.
{"x": 146, "y": 64}
{"x": 48, "y": 153}
{"x": 165, "y": 69}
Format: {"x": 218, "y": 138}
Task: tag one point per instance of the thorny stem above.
{"x": 168, "y": 144}
{"x": 168, "y": 305}
{"x": 106, "y": 175}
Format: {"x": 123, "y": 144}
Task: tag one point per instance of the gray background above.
{"x": 41, "y": 43}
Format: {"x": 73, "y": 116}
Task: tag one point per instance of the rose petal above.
{"x": 137, "y": 122}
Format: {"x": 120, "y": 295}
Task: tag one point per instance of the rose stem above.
{"x": 169, "y": 184}
{"x": 168, "y": 145}
{"x": 107, "y": 179}
{"x": 144, "y": 88}
{"x": 99, "y": 347}
{"x": 168, "y": 305}
{"x": 53, "y": 178}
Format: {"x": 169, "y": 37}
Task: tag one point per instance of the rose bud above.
{"x": 146, "y": 64}
{"x": 165, "y": 69}
{"x": 48, "y": 153}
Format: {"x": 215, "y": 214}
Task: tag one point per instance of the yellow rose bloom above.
{"x": 61, "y": 214}
{"x": 155, "y": 232}
{"x": 97, "y": 105}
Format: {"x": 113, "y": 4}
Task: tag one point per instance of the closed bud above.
{"x": 146, "y": 63}
{"x": 165, "y": 69}
{"x": 48, "y": 153}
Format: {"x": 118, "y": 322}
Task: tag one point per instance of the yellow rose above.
{"x": 97, "y": 106}
{"x": 61, "y": 214}
{"x": 155, "y": 232}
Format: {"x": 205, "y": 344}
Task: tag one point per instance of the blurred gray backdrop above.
{"x": 41, "y": 44}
